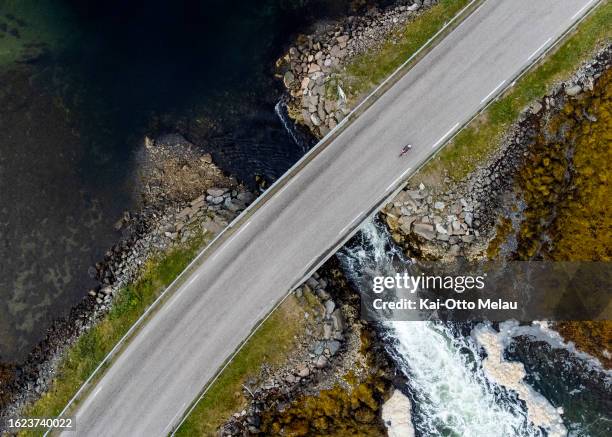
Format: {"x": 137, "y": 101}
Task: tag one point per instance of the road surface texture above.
{"x": 150, "y": 385}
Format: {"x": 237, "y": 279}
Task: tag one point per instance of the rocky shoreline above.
{"x": 461, "y": 219}
{"x": 311, "y": 69}
{"x": 184, "y": 196}
{"x": 336, "y": 357}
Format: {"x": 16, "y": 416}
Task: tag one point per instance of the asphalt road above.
{"x": 152, "y": 382}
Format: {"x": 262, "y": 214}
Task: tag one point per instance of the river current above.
{"x": 480, "y": 380}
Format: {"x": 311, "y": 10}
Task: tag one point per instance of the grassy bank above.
{"x": 270, "y": 344}
{"x": 367, "y": 70}
{"x": 474, "y": 144}
{"x": 89, "y": 350}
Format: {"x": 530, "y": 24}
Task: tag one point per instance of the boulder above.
{"x": 573, "y": 90}
{"x": 424, "y": 230}
{"x": 321, "y": 362}
{"x": 469, "y": 217}
{"x": 536, "y": 107}
{"x": 337, "y": 320}
{"x": 288, "y": 79}
{"x": 216, "y": 192}
{"x": 333, "y": 347}
{"x": 329, "y": 307}
{"x": 327, "y": 331}
{"x": 302, "y": 371}
{"x": 315, "y": 119}
{"x": 313, "y": 68}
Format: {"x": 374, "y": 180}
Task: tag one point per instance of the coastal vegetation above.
{"x": 564, "y": 184}
{"x": 337, "y": 411}
{"x": 269, "y": 345}
{"x": 365, "y": 71}
{"x": 351, "y": 407}
{"x": 90, "y": 348}
{"x": 477, "y": 141}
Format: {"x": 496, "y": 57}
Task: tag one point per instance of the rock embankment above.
{"x": 311, "y": 70}
{"x": 184, "y": 196}
{"x": 321, "y": 354}
{"x": 461, "y": 218}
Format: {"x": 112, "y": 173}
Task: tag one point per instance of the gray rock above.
{"x": 536, "y": 107}
{"x": 329, "y": 307}
{"x": 231, "y": 205}
{"x": 415, "y": 194}
{"x": 315, "y": 119}
{"x": 337, "y": 320}
{"x": 321, "y": 362}
{"x": 424, "y": 230}
{"x": 327, "y": 331}
{"x": 573, "y": 90}
{"x": 442, "y": 237}
{"x": 468, "y": 218}
{"x": 288, "y": 79}
{"x": 216, "y": 192}
{"x": 312, "y": 283}
{"x": 245, "y": 196}
{"x": 319, "y": 347}
{"x": 323, "y": 295}
{"x": 333, "y": 347}
{"x": 406, "y": 225}
{"x": 467, "y": 238}
{"x": 302, "y": 371}
{"x": 439, "y": 205}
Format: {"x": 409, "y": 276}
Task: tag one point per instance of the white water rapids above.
{"x": 454, "y": 391}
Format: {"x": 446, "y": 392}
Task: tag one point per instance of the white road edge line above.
{"x": 581, "y": 9}
{"x": 402, "y": 176}
{"x": 455, "y": 126}
{"x": 195, "y": 276}
{"x": 536, "y": 51}
{"x": 292, "y": 180}
{"x": 174, "y": 417}
{"x": 349, "y": 225}
{"x": 242, "y": 228}
{"x": 493, "y": 91}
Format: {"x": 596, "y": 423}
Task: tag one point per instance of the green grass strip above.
{"x": 90, "y": 349}
{"x": 365, "y": 71}
{"x": 475, "y": 144}
{"x": 270, "y": 344}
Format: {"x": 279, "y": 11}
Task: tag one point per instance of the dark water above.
{"x": 81, "y": 83}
